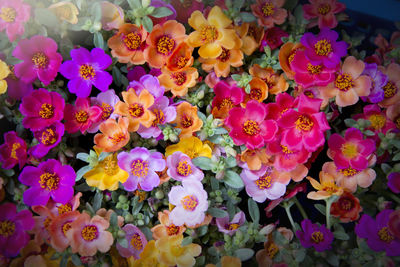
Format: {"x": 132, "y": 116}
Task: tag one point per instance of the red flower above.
{"x": 347, "y": 208}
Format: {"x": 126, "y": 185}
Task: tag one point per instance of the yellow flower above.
{"x": 172, "y": 253}
{"x": 4, "y": 71}
{"x": 191, "y": 146}
{"x": 148, "y": 257}
{"x": 65, "y": 11}
{"x": 212, "y": 33}
{"x": 326, "y": 188}
{"x": 106, "y": 174}
{"x": 228, "y": 261}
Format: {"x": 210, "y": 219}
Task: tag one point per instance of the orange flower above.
{"x": 286, "y": 56}
{"x": 258, "y": 91}
{"x": 178, "y": 82}
{"x": 222, "y": 64}
{"x": 392, "y": 87}
{"x": 181, "y": 58}
{"x": 136, "y": 109}
{"x": 58, "y": 230}
{"x": 254, "y": 158}
{"x": 114, "y": 135}
{"x": 166, "y": 228}
{"x": 276, "y": 83}
{"x": 251, "y": 36}
{"x": 128, "y": 44}
{"x": 162, "y": 41}
{"x": 326, "y": 188}
{"x": 212, "y": 34}
{"x": 187, "y": 119}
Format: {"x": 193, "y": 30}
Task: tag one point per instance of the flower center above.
{"x": 268, "y": 9}
{"x": 48, "y": 137}
{"x": 87, "y": 72}
{"x": 286, "y": 150}
{"x": 136, "y": 110}
{"x": 186, "y": 121}
{"x": 64, "y": 208}
{"x": 251, "y": 127}
{"x": 40, "y": 60}
{"x": 110, "y": 166}
{"x": 345, "y": 204}
{"x": 8, "y": 14}
{"x": 344, "y": 82}
{"x": 81, "y": 116}
{"x": 49, "y": 181}
{"x": 117, "y": 138}
{"x": 304, "y": 123}
{"x": 7, "y": 228}
{"x": 65, "y": 227}
{"x": 390, "y": 89}
{"x": 47, "y": 222}
{"x": 385, "y": 235}
{"x": 107, "y": 111}
{"x": 136, "y": 242}
{"x": 187, "y": 3}
{"x": 324, "y": 9}
{"x": 348, "y": 172}
{"x": 272, "y": 250}
{"x": 132, "y": 41}
{"x": 46, "y": 111}
{"x": 323, "y": 47}
{"x": 14, "y": 148}
{"x": 317, "y": 237}
{"x": 264, "y": 182}
{"x": 160, "y": 118}
{"x": 309, "y": 94}
{"x": 377, "y": 121}
{"x": 179, "y": 78}
{"x": 209, "y": 34}
{"x": 181, "y": 62}
{"x": 225, "y": 55}
{"x": 397, "y": 121}
{"x": 140, "y": 168}
{"x": 314, "y": 69}
{"x": 89, "y": 233}
{"x": 349, "y": 150}
{"x": 232, "y": 226}
{"x": 165, "y": 45}
{"x": 226, "y": 102}
{"x": 291, "y": 55}
{"x": 189, "y": 202}
{"x": 183, "y": 169}
{"x": 256, "y": 94}
{"x": 172, "y": 229}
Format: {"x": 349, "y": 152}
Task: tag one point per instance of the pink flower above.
{"x": 81, "y": 116}
{"x": 13, "y": 15}
{"x": 180, "y": 167}
{"x": 283, "y": 102}
{"x": 226, "y": 97}
{"x": 185, "y": 9}
{"x": 13, "y": 151}
{"x": 249, "y": 127}
{"x": 325, "y": 11}
{"x": 136, "y": 242}
{"x": 273, "y": 38}
{"x": 269, "y": 12}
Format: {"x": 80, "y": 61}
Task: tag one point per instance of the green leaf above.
{"x": 396, "y": 157}
{"x": 341, "y": 235}
{"x": 83, "y": 156}
{"x": 64, "y": 260}
{"x": 220, "y": 130}
{"x": 300, "y": 254}
{"x": 253, "y": 210}
{"x": 217, "y": 213}
{"x": 202, "y": 230}
{"x": 350, "y": 122}
{"x": 233, "y": 179}
{"x": 147, "y": 232}
{"x": 124, "y": 243}
{"x": 230, "y": 162}
{"x": 369, "y": 133}
{"x": 160, "y": 12}
{"x": 96, "y": 11}
{"x": 333, "y": 259}
{"x": 136, "y": 206}
{"x": 247, "y": 17}
{"x": 98, "y": 40}
{"x": 236, "y": 77}
{"x": 321, "y": 208}
{"x": 203, "y": 163}
{"x": 386, "y": 168}
{"x": 238, "y": 4}
{"x": 231, "y": 209}
{"x": 186, "y": 241}
{"x": 244, "y": 253}
{"x": 103, "y": 155}
{"x": 46, "y": 17}
{"x": 114, "y": 220}
{"x": 214, "y": 184}
{"x": 202, "y": 116}
{"x": 76, "y": 260}
{"x": 147, "y": 23}
{"x": 134, "y": 4}
{"x": 290, "y": 4}
{"x": 81, "y": 172}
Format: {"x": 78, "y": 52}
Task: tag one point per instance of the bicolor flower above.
{"x": 106, "y": 101}
{"x": 187, "y": 119}
{"x": 226, "y": 97}
{"x": 81, "y": 116}
{"x": 180, "y": 167}
{"x": 324, "y": 11}
{"x": 166, "y": 227}
{"x": 136, "y": 242}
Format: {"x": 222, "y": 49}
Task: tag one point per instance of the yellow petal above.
{"x": 318, "y": 195}
{"x": 3, "y": 87}
{"x": 194, "y": 39}
{"x": 217, "y": 18}
{"x": 229, "y": 39}
{"x": 197, "y": 20}
{"x": 314, "y": 183}
{"x": 210, "y": 50}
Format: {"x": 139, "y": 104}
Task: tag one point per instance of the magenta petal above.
{"x": 30, "y": 175}
{"x": 102, "y": 80}
{"x": 292, "y": 139}
{"x": 80, "y": 55}
{"x": 69, "y": 70}
{"x": 255, "y": 111}
{"x": 288, "y": 119}
{"x": 102, "y": 59}
{"x": 353, "y": 134}
{"x": 269, "y": 128}
{"x": 360, "y": 163}
{"x": 36, "y": 196}
{"x": 313, "y": 140}
{"x": 340, "y": 161}
{"x": 150, "y": 181}
{"x": 63, "y": 194}
{"x": 335, "y": 142}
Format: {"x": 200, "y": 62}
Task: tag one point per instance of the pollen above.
{"x": 286, "y": 150}
{"x": 81, "y": 116}
{"x": 349, "y": 150}
{"x": 140, "y": 168}
{"x": 136, "y": 242}
{"x": 390, "y": 89}
{"x": 304, "y": 123}
{"x": 64, "y": 208}
{"x": 268, "y": 9}
{"x": 184, "y": 169}
{"x": 345, "y": 204}
{"x": 264, "y": 182}
{"x": 8, "y": 14}
{"x": 110, "y": 166}
{"x": 40, "y": 60}
{"x": 14, "y": 148}
{"x": 181, "y": 62}
{"x": 48, "y": 137}
{"x": 209, "y": 34}
{"x": 256, "y": 94}
{"x": 189, "y": 202}
{"x": 179, "y": 78}
{"x": 314, "y": 69}
{"x": 49, "y": 181}
{"x": 87, "y": 72}
{"x": 65, "y": 227}
{"x": 136, "y": 110}
{"x": 46, "y": 111}
{"x": 107, "y": 111}
{"x": 397, "y": 121}
{"x": 165, "y": 45}
{"x": 225, "y": 55}
{"x": 317, "y": 237}
{"x": 323, "y": 47}
{"x": 7, "y": 228}
{"x": 232, "y": 226}
{"x": 324, "y": 9}
{"x": 160, "y": 117}
{"x": 348, "y": 172}
{"x": 117, "y": 138}
{"x": 186, "y": 121}
{"x": 272, "y": 250}
{"x": 90, "y": 233}
{"x": 385, "y": 235}
{"x": 132, "y": 41}
{"x": 226, "y": 102}
{"x": 344, "y": 82}
{"x": 377, "y": 121}
{"x": 251, "y": 128}
{"x": 172, "y": 229}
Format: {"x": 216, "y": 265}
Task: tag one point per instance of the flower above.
{"x": 269, "y": 12}
{"x": 106, "y": 101}
{"x": 87, "y": 235}
{"x": 378, "y": 80}
{"x": 166, "y": 228}
{"x": 13, "y": 15}
{"x": 181, "y": 58}
{"x": 4, "y": 72}
{"x": 39, "y": 59}
{"x": 249, "y": 127}
{"x": 41, "y": 108}
{"x": 187, "y": 119}
{"x": 393, "y": 113}
{"x": 17, "y": 88}
{"x": 162, "y": 40}
{"x": 222, "y": 64}
{"x": 325, "y": 11}
{"x": 230, "y": 227}
{"x": 178, "y": 82}
{"x": 141, "y": 165}
{"x": 128, "y": 44}
{"x": 191, "y": 146}
{"x": 377, "y": 233}
{"x": 87, "y": 69}
{"x": 58, "y": 229}
{"x": 66, "y": 11}
{"x": 49, "y": 179}
{"x": 347, "y": 208}
{"x": 48, "y": 138}
{"x": 161, "y": 3}
{"x": 226, "y": 97}
{"x": 251, "y": 35}
{"x": 13, "y": 229}
{"x": 136, "y": 242}
{"x": 180, "y": 167}
{"x": 114, "y": 135}
{"x": 148, "y": 257}
{"x": 106, "y": 174}
{"x": 393, "y": 223}
{"x": 228, "y": 261}
{"x": 190, "y": 202}
{"x": 212, "y": 34}
{"x": 315, "y": 236}
{"x": 81, "y": 116}
{"x": 254, "y": 158}
{"x": 326, "y": 188}
{"x": 185, "y": 9}
{"x": 379, "y": 121}
{"x": 13, "y": 151}
{"x": 147, "y": 82}
{"x": 286, "y": 56}
{"x": 392, "y": 88}
{"x": 276, "y": 83}
{"x": 273, "y": 38}
{"x": 394, "y": 182}
{"x": 112, "y": 16}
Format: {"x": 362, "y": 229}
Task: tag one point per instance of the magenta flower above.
{"x": 378, "y": 81}
{"x": 380, "y": 123}
{"x": 283, "y": 102}
{"x": 394, "y": 182}
{"x": 352, "y": 150}
{"x": 305, "y": 127}
{"x": 106, "y": 101}
{"x": 40, "y": 59}
{"x": 13, "y": 229}
{"x": 48, "y": 138}
{"x": 181, "y": 168}
{"x": 41, "y": 109}
{"x": 137, "y": 72}
{"x": 49, "y": 179}
{"x": 17, "y": 88}
{"x": 230, "y": 227}
{"x": 13, "y": 151}
{"x": 136, "y": 242}
{"x": 226, "y": 97}
{"x": 273, "y": 38}
{"x": 147, "y": 82}
{"x": 81, "y": 116}
{"x": 249, "y": 127}
{"x": 377, "y": 233}
{"x": 323, "y": 48}
{"x": 87, "y": 69}
{"x": 142, "y": 165}
{"x": 13, "y": 15}
{"x": 190, "y": 201}
{"x": 325, "y": 11}
{"x": 315, "y": 236}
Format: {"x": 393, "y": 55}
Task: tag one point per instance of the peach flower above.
{"x": 326, "y": 187}
{"x": 178, "y": 81}
{"x": 392, "y": 87}
{"x": 286, "y": 56}
{"x": 269, "y": 12}
{"x": 187, "y": 119}
{"x": 166, "y": 228}
{"x": 222, "y": 64}
{"x": 276, "y": 83}
{"x": 251, "y": 35}
{"x": 114, "y": 135}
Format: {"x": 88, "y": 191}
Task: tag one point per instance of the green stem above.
{"x": 394, "y": 197}
{"x": 300, "y": 207}
{"x": 329, "y": 202}
{"x": 287, "y": 209}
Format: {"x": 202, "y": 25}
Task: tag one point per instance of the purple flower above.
{"x": 190, "y": 202}
{"x": 230, "y": 227}
{"x": 164, "y": 114}
{"x": 48, "y": 138}
{"x": 49, "y": 179}
{"x": 13, "y": 229}
{"x": 260, "y": 185}
{"x": 106, "y": 101}
{"x": 87, "y": 69}
{"x": 141, "y": 164}
{"x": 323, "y": 48}
{"x": 377, "y": 233}
{"x": 17, "y": 88}
{"x": 40, "y": 59}
{"x": 136, "y": 242}
{"x": 378, "y": 81}
{"x": 137, "y": 72}
{"x": 149, "y": 83}
{"x": 315, "y": 236}
{"x": 41, "y": 109}
{"x": 13, "y": 151}
{"x": 394, "y": 182}
{"x": 181, "y": 168}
